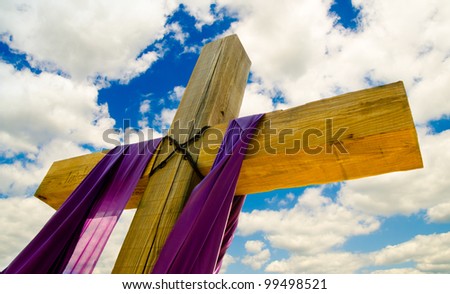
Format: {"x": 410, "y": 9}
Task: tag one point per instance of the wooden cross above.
{"x": 296, "y": 147}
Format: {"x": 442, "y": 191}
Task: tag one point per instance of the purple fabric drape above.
{"x": 205, "y": 228}
{"x": 232, "y": 223}
{"x": 74, "y": 237}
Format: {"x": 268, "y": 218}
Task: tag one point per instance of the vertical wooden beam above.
{"x": 213, "y": 95}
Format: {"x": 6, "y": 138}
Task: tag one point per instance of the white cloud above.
{"x": 21, "y": 178}
{"x": 145, "y": 132}
{"x": 21, "y": 219}
{"x": 295, "y": 47}
{"x": 283, "y": 202}
{"x": 45, "y": 117}
{"x": 254, "y": 246}
{"x": 397, "y": 271}
{"x": 412, "y": 50}
{"x": 227, "y": 261}
{"x": 439, "y": 213}
{"x": 314, "y": 225}
{"x": 290, "y": 196}
{"x": 35, "y": 109}
{"x": 164, "y": 120}
{"x": 407, "y": 192}
{"x": 177, "y": 93}
{"x": 256, "y": 100}
{"x": 86, "y": 38}
{"x": 426, "y": 253}
{"x": 137, "y": 67}
{"x": 299, "y": 29}
{"x": 329, "y": 263}
{"x": 177, "y": 31}
{"x": 430, "y": 253}
{"x": 200, "y": 9}
{"x": 144, "y": 109}
{"x": 258, "y": 254}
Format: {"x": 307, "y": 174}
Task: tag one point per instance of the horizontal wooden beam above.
{"x": 355, "y": 135}
{"x": 350, "y": 136}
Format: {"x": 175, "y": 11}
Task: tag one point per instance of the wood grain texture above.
{"x": 213, "y": 95}
{"x": 380, "y": 138}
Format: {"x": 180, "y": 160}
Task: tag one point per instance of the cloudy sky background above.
{"x": 71, "y": 69}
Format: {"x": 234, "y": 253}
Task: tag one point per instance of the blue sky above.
{"x": 70, "y": 71}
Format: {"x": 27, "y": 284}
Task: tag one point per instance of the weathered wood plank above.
{"x": 213, "y": 95}
{"x": 380, "y": 138}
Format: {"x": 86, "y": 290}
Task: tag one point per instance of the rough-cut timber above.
{"x": 213, "y": 95}
{"x": 380, "y": 137}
